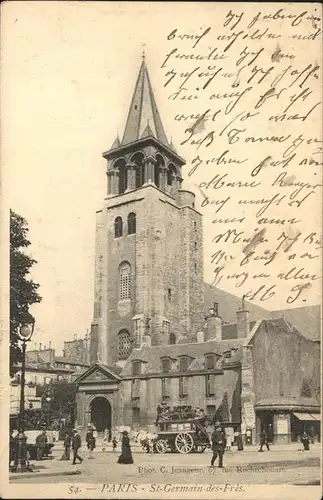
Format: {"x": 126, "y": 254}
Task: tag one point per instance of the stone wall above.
{"x": 282, "y": 360}
{"x": 166, "y": 259}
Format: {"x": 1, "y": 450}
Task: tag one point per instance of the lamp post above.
{"x": 25, "y": 333}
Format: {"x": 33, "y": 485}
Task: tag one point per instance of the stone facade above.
{"x": 164, "y": 252}
{"x": 149, "y": 286}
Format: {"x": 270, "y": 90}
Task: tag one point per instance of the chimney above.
{"x": 40, "y": 346}
{"x": 214, "y": 323}
{"x": 242, "y": 321}
{"x": 50, "y": 344}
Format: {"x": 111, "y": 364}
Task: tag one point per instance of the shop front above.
{"x": 285, "y": 420}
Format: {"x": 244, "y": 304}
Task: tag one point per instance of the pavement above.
{"x": 283, "y": 464}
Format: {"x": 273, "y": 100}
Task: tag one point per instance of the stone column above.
{"x": 177, "y": 182}
{"x": 149, "y": 170}
{"x": 163, "y": 178}
{"x": 131, "y": 176}
{"x": 113, "y": 182}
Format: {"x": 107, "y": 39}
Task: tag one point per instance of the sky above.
{"x": 69, "y": 70}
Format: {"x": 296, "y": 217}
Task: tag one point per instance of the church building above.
{"x": 151, "y": 342}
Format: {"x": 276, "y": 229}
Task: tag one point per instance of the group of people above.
{"x": 73, "y": 442}
{"x": 165, "y": 413}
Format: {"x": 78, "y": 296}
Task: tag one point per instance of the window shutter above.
{"x": 212, "y": 385}
{"x": 185, "y": 386}
{"x": 135, "y": 388}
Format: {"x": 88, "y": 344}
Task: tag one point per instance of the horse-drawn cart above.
{"x": 183, "y": 436}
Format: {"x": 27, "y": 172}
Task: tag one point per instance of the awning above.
{"x": 304, "y": 416}
{"x": 316, "y": 416}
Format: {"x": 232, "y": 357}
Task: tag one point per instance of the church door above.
{"x": 101, "y": 413}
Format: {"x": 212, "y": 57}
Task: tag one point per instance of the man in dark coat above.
{"x": 263, "y": 440}
{"x": 41, "y": 444}
{"x": 218, "y": 445}
{"x": 306, "y": 441}
{"x": 90, "y": 441}
{"x": 76, "y": 445}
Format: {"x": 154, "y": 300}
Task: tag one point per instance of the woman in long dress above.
{"x": 126, "y": 455}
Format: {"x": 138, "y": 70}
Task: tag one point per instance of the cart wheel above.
{"x": 161, "y": 446}
{"x": 184, "y": 442}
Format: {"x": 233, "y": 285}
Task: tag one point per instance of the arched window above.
{"x": 158, "y": 167}
{"x": 138, "y": 160}
{"x": 124, "y": 276}
{"x": 131, "y": 223}
{"x": 118, "y": 227}
{"x": 172, "y": 338}
{"x": 120, "y": 165}
{"x": 124, "y": 344}
{"x": 171, "y": 172}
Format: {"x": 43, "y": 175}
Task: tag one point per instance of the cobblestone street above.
{"x": 289, "y": 465}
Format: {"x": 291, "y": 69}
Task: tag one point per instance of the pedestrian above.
{"x": 263, "y": 440}
{"x": 41, "y": 444}
{"x": 218, "y": 445}
{"x": 90, "y": 441}
{"x": 12, "y": 449}
{"x": 114, "y": 444}
{"x": 306, "y": 441}
{"x": 270, "y": 433}
{"x": 312, "y": 434}
{"x": 67, "y": 447}
{"x": 76, "y": 445}
{"x": 239, "y": 441}
{"x": 126, "y": 455}
{"x": 105, "y": 439}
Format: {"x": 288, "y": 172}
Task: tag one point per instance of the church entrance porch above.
{"x": 97, "y": 398}
{"x": 100, "y": 412}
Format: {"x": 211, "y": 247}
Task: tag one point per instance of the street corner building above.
{"x": 151, "y": 340}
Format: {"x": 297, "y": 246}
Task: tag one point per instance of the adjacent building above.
{"x": 151, "y": 342}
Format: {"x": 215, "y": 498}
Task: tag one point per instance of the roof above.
{"x": 143, "y": 116}
{"x": 283, "y": 401}
{"x": 306, "y": 319}
{"x": 229, "y": 304}
{"x": 152, "y": 355}
{"x": 109, "y": 371}
{"x": 62, "y": 359}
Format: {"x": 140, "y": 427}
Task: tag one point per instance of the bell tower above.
{"x": 149, "y": 254}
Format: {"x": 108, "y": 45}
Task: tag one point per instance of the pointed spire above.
{"x": 116, "y": 142}
{"x": 171, "y": 145}
{"x": 147, "y": 132}
{"x": 143, "y": 108}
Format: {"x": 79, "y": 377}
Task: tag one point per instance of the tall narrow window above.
{"x": 118, "y": 227}
{"x": 131, "y": 223}
{"x": 183, "y": 387}
{"x": 165, "y": 365}
{"x": 138, "y": 160}
{"x": 172, "y": 338}
{"x": 159, "y": 165}
{"x": 183, "y": 363}
{"x": 124, "y": 344}
{"x": 209, "y": 362}
{"x": 124, "y": 276}
{"x": 209, "y": 385}
{"x": 135, "y": 388}
{"x": 136, "y": 368}
{"x": 166, "y": 328}
{"x": 165, "y": 388}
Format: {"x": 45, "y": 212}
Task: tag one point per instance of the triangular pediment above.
{"x": 99, "y": 373}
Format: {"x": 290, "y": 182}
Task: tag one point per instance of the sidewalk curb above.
{"x": 22, "y": 475}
